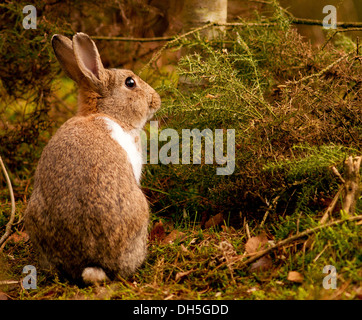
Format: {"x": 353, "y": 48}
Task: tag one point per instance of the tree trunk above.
{"x": 200, "y": 12}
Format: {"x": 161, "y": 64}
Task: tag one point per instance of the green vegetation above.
{"x": 296, "y": 114}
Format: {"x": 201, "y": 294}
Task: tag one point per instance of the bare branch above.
{"x": 342, "y": 25}
{"x": 331, "y": 207}
{"x": 336, "y": 172}
{"x": 12, "y": 215}
{"x": 349, "y": 188}
{"x": 281, "y": 243}
{"x": 318, "y": 74}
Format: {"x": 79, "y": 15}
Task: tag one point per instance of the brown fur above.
{"x": 87, "y": 209}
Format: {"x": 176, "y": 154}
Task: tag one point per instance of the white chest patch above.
{"x": 126, "y": 141}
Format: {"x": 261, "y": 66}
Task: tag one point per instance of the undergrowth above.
{"x": 195, "y": 266}
{"x": 295, "y": 112}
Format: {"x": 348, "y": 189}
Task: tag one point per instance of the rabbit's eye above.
{"x": 130, "y": 83}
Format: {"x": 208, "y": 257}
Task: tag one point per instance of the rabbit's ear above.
{"x": 88, "y": 59}
{"x": 63, "y": 49}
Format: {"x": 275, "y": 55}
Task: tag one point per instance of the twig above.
{"x": 318, "y": 74}
{"x": 291, "y": 239}
{"x": 336, "y": 172}
{"x": 12, "y": 215}
{"x": 337, "y": 31}
{"x": 7, "y": 282}
{"x": 247, "y": 230}
{"x": 357, "y": 45}
{"x": 171, "y": 38}
{"x": 312, "y": 22}
{"x": 129, "y": 39}
{"x": 270, "y": 207}
{"x": 331, "y": 207}
{"x": 320, "y": 253}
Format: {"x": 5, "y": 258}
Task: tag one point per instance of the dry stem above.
{"x": 12, "y": 215}
{"x": 281, "y": 243}
{"x": 331, "y": 207}
{"x": 318, "y": 74}
{"x": 351, "y": 187}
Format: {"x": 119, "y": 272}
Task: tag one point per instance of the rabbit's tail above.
{"x": 94, "y": 275}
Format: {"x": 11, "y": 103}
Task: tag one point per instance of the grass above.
{"x": 195, "y": 266}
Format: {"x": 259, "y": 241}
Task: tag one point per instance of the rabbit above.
{"x": 87, "y": 217}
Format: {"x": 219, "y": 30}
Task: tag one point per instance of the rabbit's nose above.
{"x": 156, "y": 101}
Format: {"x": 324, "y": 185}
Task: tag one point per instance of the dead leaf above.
{"x": 214, "y": 221}
{"x": 180, "y": 275}
{"x": 174, "y": 235}
{"x": 3, "y": 296}
{"x": 255, "y": 244}
{"x": 158, "y": 232}
{"x": 295, "y": 276}
{"x": 19, "y": 236}
{"x": 262, "y": 264}
{"x": 252, "y": 246}
{"x": 359, "y": 293}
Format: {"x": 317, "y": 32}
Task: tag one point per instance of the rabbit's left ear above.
{"x": 88, "y": 59}
{"x": 63, "y": 49}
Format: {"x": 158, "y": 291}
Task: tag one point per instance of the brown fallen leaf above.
{"x": 19, "y": 236}
{"x": 252, "y": 246}
{"x": 295, "y": 276}
{"x": 158, "y": 232}
{"x": 180, "y": 275}
{"x": 174, "y": 235}
{"x": 214, "y": 221}
{"x": 255, "y": 244}
{"x": 3, "y": 296}
{"x": 262, "y": 264}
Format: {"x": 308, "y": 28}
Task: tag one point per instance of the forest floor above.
{"x": 188, "y": 262}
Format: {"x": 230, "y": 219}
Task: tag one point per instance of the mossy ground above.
{"x": 195, "y": 266}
